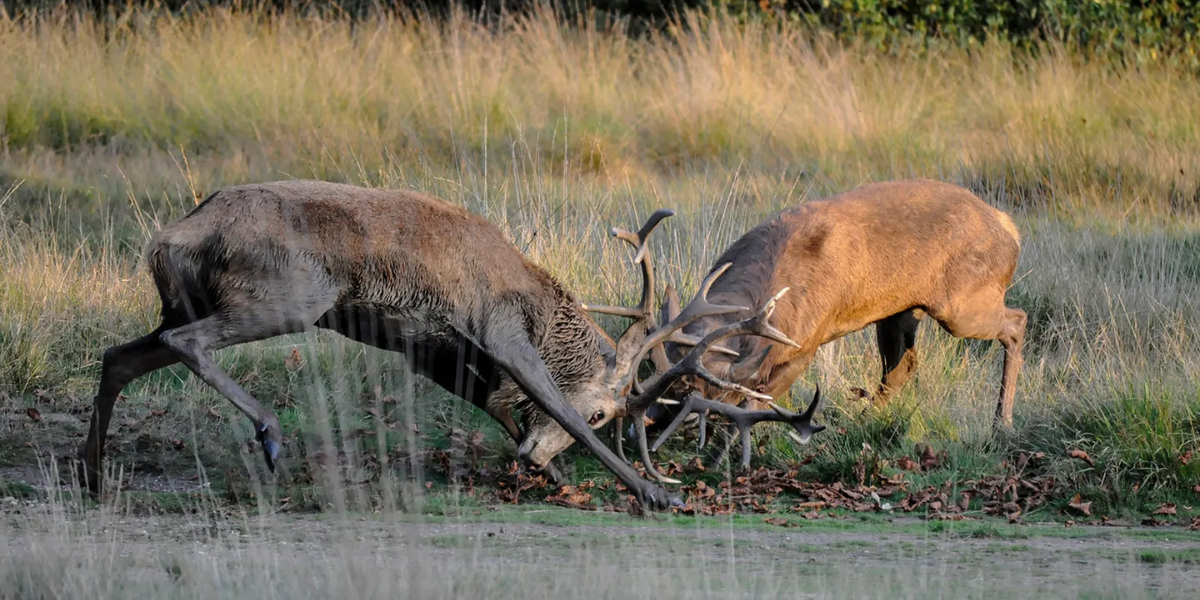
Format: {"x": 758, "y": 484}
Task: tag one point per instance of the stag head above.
{"x": 617, "y": 392}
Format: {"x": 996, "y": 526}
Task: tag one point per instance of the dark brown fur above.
{"x": 885, "y": 253}
{"x": 395, "y": 269}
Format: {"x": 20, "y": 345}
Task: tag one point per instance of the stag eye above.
{"x": 596, "y": 418}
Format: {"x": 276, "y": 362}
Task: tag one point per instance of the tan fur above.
{"x": 884, "y": 253}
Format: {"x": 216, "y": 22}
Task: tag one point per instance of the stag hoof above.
{"x": 553, "y": 475}
{"x": 270, "y": 439}
{"x": 655, "y": 498}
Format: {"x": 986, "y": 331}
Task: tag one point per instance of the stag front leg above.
{"x": 510, "y": 347}
{"x": 1013, "y": 338}
{"x": 122, "y": 364}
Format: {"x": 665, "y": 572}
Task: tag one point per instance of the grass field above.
{"x": 557, "y": 133}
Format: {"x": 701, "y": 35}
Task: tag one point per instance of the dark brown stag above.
{"x": 397, "y": 270}
{"x": 886, "y": 253}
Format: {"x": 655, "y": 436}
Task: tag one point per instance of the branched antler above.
{"x": 743, "y": 420}
{"x": 643, "y": 335}
{"x": 644, "y": 311}
{"x": 692, "y": 364}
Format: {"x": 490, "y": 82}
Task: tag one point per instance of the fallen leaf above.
{"x": 293, "y": 360}
{"x": 157, "y": 413}
{"x": 428, "y": 485}
{"x": 212, "y": 413}
{"x": 907, "y": 464}
{"x": 1195, "y": 524}
{"x": 779, "y": 521}
{"x": 1152, "y": 522}
{"x": 34, "y": 414}
{"x": 178, "y": 444}
{"x": 1166, "y": 509}
{"x": 285, "y": 499}
{"x": 1078, "y": 504}
{"x": 1185, "y": 458}
{"x": 1081, "y": 455}
{"x": 929, "y": 460}
{"x": 946, "y": 517}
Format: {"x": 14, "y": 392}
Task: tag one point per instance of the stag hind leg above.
{"x": 985, "y": 317}
{"x": 897, "y": 336}
{"x": 122, "y": 364}
{"x": 194, "y": 343}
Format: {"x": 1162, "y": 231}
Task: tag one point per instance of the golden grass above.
{"x": 252, "y": 96}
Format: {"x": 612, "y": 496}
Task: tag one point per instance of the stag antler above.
{"x": 691, "y": 364}
{"x": 644, "y": 310}
{"x": 744, "y": 419}
{"x": 644, "y": 331}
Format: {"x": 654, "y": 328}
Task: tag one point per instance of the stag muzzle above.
{"x": 542, "y": 444}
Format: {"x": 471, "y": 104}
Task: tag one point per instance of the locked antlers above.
{"x": 644, "y": 336}
{"x": 692, "y": 364}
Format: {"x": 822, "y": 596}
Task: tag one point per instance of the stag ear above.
{"x": 671, "y": 304}
{"x": 671, "y": 307}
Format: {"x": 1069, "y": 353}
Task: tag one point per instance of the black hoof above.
{"x": 270, "y": 453}
{"x": 270, "y": 447}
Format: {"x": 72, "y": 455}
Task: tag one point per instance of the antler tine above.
{"x": 692, "y": 365}
{"x": 644, "y": 310}
{"x": 698, "y": 308}
{"x": 744, "y": 420}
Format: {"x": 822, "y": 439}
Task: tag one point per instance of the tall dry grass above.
{"x": 251, "y": 96}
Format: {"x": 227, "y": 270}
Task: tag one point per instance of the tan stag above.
{"x": 885, "y": 254}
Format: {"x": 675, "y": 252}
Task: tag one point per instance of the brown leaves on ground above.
{"x": 780, "y": 522}
{"x": 930, "y": 460}
{"x": 516, "y": 481}
{"x": 1008, "y": 495}
{"x": 34, "y": 414}
{"x": 294, "y": 360}
{"x": 1194, "y": 525}
{"x": 1081, "y": 455}
{"x": 1167, "y": 509}
{"x": 1077, "y": 503}
{"x": 574, "y": 496}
